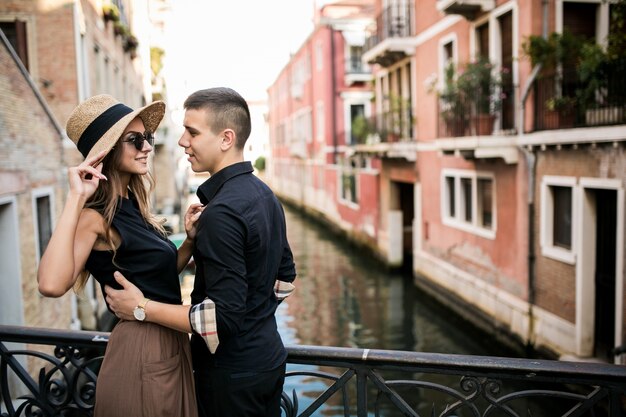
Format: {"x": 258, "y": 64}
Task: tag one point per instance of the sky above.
{"x": 242, "y": 44}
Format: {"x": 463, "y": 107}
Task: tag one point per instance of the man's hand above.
{"x": 191, "y": 218}
{"x": 123, "y": 301}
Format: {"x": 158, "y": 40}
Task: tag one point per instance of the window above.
{"x": 562, "y": 215}
{"x": 482, "y": 41}
{"x": 320, "y": 122}
{"x": 469, "y": 201}
{"x": 355, "y": 64}
{"x": 348, "y": 184}
{"x": 447, "y": 57}
{"x": 451, "y": 196}
{"x": 358, "y": 124}
{"x": 466, "y": 199}
{"x": 42, "y": 207}
{"x": 15, "y": 31}
{"x": 557, "y": 214}
{"x": 485, "y": 202}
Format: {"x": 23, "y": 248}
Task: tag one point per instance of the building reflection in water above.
{"x": 345, "y": 298}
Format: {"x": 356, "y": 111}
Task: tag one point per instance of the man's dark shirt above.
{"x": 241, "y": 249}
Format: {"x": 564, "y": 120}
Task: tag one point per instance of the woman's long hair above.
{"x": 107, "y": 197}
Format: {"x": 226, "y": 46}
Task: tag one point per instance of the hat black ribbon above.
{"x": 100, "y": 126}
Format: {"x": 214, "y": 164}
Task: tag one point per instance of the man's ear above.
{"x": 229, "y": 138}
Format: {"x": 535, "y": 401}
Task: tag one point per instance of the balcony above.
{"x": 391, "y": 41}
{"x": 564, "y": 101}
{"x": 469, "y": 9}
{"x": 347, "y": 381}
{"x": 478, "y": 123}
{"x": 356, "y": 72}
{"x": 388, "y": 134}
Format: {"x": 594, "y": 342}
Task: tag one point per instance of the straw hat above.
{"x": 97, "y": 123}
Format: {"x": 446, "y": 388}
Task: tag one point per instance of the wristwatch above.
{"x": 140, "y": 311}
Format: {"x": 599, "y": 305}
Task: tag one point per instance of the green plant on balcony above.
{"x": 553, "y": 51}
{"x": 561, "y": 104}
{"x": 399, "y": 119}
{"x": 110, "y": 13}
{"x": 453, "y": 110}
{"x": 361, "y": 128}
{"x": 482, "y": 85}
{"x": 130, "y": 43}
{"x": 120, "y": 29}
{"x": 597, "y": 63}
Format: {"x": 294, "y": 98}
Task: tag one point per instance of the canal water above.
{"x": 345, "y": 298}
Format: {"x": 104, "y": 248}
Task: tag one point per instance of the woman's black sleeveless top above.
{"x": 144, "y": 257}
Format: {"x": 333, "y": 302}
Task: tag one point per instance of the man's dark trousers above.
{"x": 227, "y": 393}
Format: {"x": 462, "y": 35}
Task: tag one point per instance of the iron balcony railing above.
{"x": 357, "y": 382}
{"x": 395, "y": 21}
{"x": 477, "y": 114}
{"x": 387, "y": 127}
{"x": 569, "y": 98}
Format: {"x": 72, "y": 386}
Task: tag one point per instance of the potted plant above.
{"x": 453, "y": 109}
{"x": 130, "y": 44}
{"x": 110, "y": 13}
{"x": 553, "y": 51}
{"x": 560, "y": 112}
{"x": 600, "y": 69}
{"x": 360, "y": 129}
{"x": 120, "y": 29}
{"x": 482, "y": 86}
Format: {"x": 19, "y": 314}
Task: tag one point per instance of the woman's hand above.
{"x": 84, "y": 178}
{"x": 191, "y": 219}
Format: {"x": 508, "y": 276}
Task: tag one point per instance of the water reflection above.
{"x": 345, "y": 298}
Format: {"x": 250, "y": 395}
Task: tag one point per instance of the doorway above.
{"x": 406, "y": 204}
{"x": 599, "y": 267}
{"x": 606, "y": 224}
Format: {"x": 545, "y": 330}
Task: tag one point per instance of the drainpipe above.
{"x": 531, "y": 162}
{"x": 333, "y": 103}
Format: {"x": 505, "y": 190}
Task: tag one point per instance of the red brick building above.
{"x": 68, "y": 50}
{"x": 502, "y": 180}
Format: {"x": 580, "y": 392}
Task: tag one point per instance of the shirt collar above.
{"x": 210, "y": 187}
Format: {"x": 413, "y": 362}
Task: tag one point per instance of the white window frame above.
{"x": 355, "y": 98}
{"x": 450, "y": 38}
{"x": 35, "y": 194}
{"x": 548, "y": 249}
{"x": 602, "y": 18}
{"x": 345, "y": 166}
{"x": 458, "y": 220}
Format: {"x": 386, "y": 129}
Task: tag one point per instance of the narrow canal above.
{"x": 345, "y": 298}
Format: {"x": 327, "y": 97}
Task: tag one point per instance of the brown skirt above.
{"x": 146, "y": 371}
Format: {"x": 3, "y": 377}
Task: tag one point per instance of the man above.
{"x": 244, "y": 267}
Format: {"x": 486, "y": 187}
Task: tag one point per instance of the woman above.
{"x": 105, "y": 227}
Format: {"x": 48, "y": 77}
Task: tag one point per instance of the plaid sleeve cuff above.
{"x": 283, "y": 289}
{"x": 203, "y": 322}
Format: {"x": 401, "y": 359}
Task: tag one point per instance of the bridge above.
{"x": 57, "y": 376}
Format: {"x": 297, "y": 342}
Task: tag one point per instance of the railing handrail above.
{"x": 538, "y": 369}
{"x": 486, "y": 383}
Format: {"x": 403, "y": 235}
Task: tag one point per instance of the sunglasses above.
{"x": 137, "y": 139}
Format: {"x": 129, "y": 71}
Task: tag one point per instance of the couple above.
{"x": 235, "y": 363}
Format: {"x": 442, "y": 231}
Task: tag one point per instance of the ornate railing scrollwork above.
{"x": 348, "y": 381}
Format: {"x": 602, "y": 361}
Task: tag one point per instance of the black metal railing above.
{"x": 388, "y": 127}
{"x": 354, "y": 381}
{"x": 395, "y": 21}
{"x": 568, "y": 99}
{"x": 468, "y": 115}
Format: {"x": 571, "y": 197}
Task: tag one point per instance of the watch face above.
{"x": 139, "y": 313}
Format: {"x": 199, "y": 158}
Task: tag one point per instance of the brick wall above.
{"x": 555, "y": 281}
{"x": 30, "y": 150}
